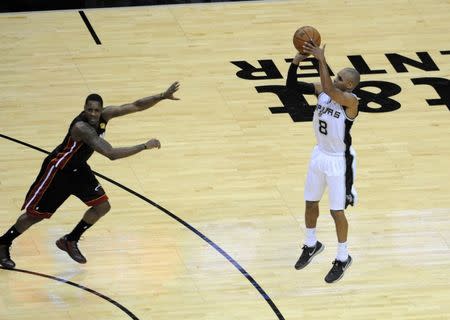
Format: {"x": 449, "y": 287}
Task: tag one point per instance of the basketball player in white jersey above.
{"x": 332, "y": 162}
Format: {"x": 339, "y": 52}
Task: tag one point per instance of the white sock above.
{"x": 342, "y": 252}
{"x": 310, "y": 237}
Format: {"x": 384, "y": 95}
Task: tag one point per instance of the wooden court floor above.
{"x": 210, "y": 225}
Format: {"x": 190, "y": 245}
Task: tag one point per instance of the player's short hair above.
{"x": 94, "y": 97}
{"x": 354, "y": 76}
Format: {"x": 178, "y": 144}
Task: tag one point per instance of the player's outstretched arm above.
{"x": 140, "y": 104}
{"x": 293, "y": 84}
{"x": 341, "y": 97}
{"x": 84, "y": 132}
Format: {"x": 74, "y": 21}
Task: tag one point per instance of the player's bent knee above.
{"x": 32, "y": 217}
{"x": 102, "y": 208}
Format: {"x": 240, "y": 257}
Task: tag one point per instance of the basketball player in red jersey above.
{"x": 65, "y": 172}
{"x": 332, "y": 162}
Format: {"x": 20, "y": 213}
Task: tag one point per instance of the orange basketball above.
{"x": 304, "y": 34}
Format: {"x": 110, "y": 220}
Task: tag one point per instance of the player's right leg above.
{"x": 314, "y": 188}
{"x": 43, "y": 198}
{"x": 22, "y": 224}
{"x": 312, "y": 246}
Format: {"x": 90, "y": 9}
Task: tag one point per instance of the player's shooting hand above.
{"x": 168, "y": 94}
{"x": 153, "y": 143}
{"x": 316, "y": 51}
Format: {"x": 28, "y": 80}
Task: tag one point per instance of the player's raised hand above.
{"x": 299, "y": 58}
{"x": 168, "y": 94}
{"x": 316, "y": 51}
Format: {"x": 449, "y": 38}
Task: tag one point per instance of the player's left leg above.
{"x": 69, "y": 242}
{"x": 88, "y": 189}
{"x": 337, "y": 191}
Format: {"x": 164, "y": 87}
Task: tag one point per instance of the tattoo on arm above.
{"x": 128, "y": 108}
{"x": 88, "y": 135}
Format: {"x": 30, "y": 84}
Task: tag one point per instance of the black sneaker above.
{"x": 5, "y": 258}
{"x": 307, "y": 255}
{"x": 71, "y": 248}
{"x": 338, "y": 269}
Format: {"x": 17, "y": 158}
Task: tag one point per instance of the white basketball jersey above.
{"x": 331, "y": 126}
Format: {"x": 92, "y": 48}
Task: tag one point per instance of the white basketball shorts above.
{"x": 335, "y": 171}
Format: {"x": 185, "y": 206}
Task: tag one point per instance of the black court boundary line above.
{"x": 184, "y": 223}
{"x": 121, "y": 307}
{"x": 89, "y": 26}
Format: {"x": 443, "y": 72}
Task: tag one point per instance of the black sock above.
{"x": 9, "y": 236}
{"x": 78, "y": 231}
